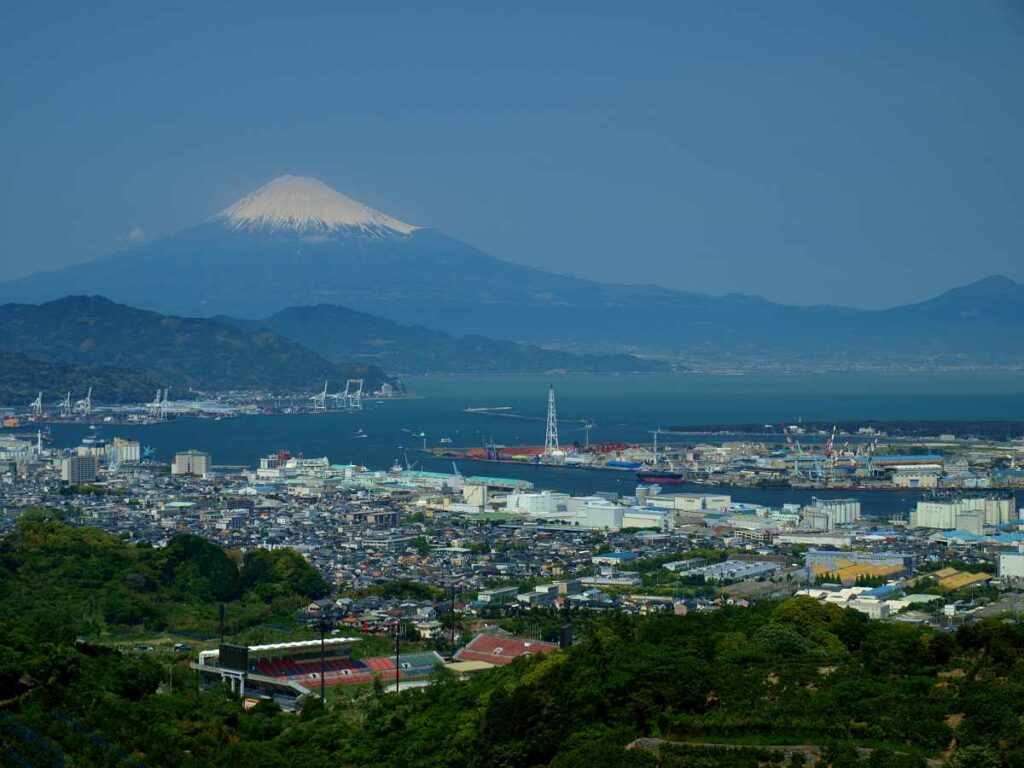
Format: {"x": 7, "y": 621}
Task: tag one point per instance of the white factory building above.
{"x": 592, "y": 512}
{"x": 946, "y": 513}
{"x": 126, "y": 451}
{"x": 542, "y": 504}
{"x": 1011, "y": 565}
{"x": 691, "y": 502}
{"x": 829, "y": 514}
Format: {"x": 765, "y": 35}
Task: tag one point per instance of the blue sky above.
{"x": 863, "y": 153}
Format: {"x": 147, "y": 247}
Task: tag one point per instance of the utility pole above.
{"x": 223, "y": 610}
{"x": 398, "y": 652}
{"x": 453, "y": 594}
{"x": 322, "y": 623}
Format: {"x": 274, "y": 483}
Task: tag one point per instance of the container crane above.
{"x": 794, "y": 448}
{"x": 353, "y": 394}
{"x": 84, "y": 406}
{"x": 320, "y": 400}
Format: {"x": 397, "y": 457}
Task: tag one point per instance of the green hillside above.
{"x": 64, "y": 582}
{"x": 791, "y": 673}
{"x": 181, "y": 351}
{"x": 22, "y": 378}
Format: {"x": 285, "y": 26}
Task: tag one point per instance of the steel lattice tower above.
{"x": 551, "y": 436}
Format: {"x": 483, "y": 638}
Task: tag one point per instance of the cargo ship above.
{"x": 660, "y": 476}
{"x": 622, "y": 464}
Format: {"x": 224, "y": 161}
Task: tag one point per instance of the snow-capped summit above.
{"x": 309, "y": 207}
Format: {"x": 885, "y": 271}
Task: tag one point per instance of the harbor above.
{"x": 452, "y": 419}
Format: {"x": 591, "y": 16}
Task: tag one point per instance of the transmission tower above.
{"x": 551, "y": 436}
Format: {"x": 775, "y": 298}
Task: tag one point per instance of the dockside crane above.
{"x": 587, "y": 426}
{"x": 491, "y": 450}
{"x": 830, "y": 456}
{"x": 160, "y": 406}
{"x": 37, "y": 406}
{"x": 409, "y": 466}
{"x": 794, "y": 448}
{"x": 156, "y": 408}
{"x": 353, "y": 394}
{"x": 84, "y": 406}
{"x": 320, "y": 400}
{"x": 656, "y": 432}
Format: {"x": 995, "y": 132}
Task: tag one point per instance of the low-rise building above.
{"x": 1011, "y": 565}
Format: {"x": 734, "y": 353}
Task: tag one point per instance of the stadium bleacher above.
{"x": 348, "y": 671}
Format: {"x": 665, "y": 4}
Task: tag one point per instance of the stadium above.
{"x": 287, "y": 672}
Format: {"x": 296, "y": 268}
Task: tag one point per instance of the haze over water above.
{"x": 623, "y": 408}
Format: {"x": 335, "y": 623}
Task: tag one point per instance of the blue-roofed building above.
{"x": 614, "y": 558}
{"x": 1008, "y": 539}
{"x": 889, "y": 460}
{"x": 881, "y": 593}
{"x": 959, "y": 537}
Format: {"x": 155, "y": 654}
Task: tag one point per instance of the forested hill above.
{"x": 59, "y": 582}
{"x": 22, "y": 378}
{"x": 797, "y": 672}
{"x": 180, "y": 351}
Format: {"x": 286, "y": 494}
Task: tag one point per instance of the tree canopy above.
{"x": 789, "y": 673}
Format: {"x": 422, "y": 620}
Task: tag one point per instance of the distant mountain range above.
{"x": 296, "y": 242}
{"x": 342, "y": 334}
{"x": 174, "y": 351}
{"x": 125, "y": 354}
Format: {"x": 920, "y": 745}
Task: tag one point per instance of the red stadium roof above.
{"x": 501, "y": 649}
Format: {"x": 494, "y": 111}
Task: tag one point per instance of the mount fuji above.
{"x": 308, "y": 208}
{"x": 297, "y": 242}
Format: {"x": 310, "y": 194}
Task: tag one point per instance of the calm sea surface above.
{"x": 623, "y": 408}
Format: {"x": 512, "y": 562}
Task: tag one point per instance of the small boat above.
{"x": 361, "y": 433}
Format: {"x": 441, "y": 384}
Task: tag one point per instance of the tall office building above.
{"x": 79, "y": 469}
{"x": 192, "y": 462}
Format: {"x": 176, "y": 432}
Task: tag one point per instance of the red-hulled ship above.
{"x": 659, "y": 476}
